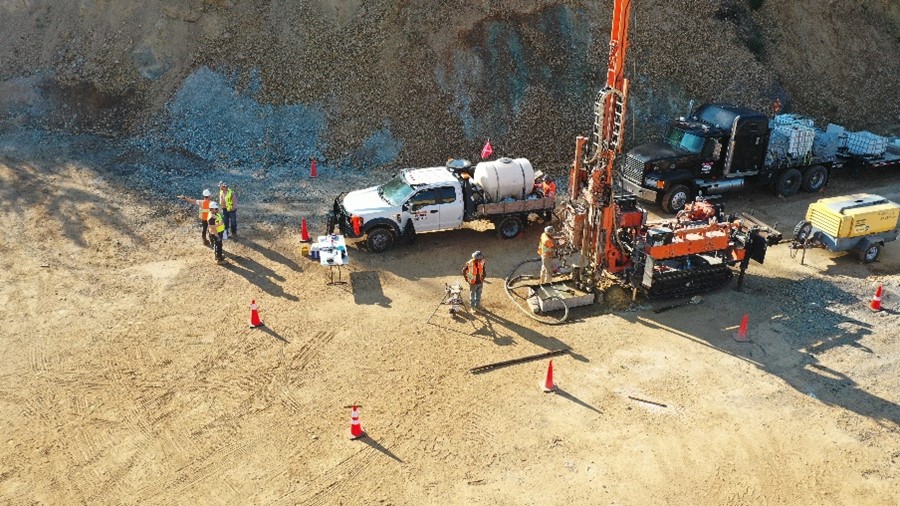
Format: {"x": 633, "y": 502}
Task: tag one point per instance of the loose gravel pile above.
{"x": 254, "y": 90}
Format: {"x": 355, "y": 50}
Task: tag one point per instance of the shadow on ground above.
{"x": 258, "y": 275}
{"x": 803, "y": 319}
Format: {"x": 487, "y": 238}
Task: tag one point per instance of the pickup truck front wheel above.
{"x": 509, "y": 227}
{"x": 379, "y": 239}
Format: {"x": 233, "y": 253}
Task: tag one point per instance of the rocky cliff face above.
{"x": 370, "y": 83}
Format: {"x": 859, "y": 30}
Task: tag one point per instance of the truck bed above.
{"x": 890, "y": 158}
{"x": 516, "y": 206}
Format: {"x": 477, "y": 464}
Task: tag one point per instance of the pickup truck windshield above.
{"x": 678, "y": 138}
{"x": 395, "y": 191}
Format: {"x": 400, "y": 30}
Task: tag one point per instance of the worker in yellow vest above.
{"x": 203, "y": 204}
{"x": 228, "y": 205}
{"x": 216, "y": 231}
{"x": 474, "y": 275}
{"x": 546, "y": 249}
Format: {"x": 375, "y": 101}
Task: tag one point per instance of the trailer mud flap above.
{"x": 757, "y": 247}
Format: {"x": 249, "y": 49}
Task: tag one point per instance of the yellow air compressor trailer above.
{"x": 861, "y": 222}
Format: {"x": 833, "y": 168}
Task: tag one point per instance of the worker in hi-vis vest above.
{"x": 216, "y": 231}
{"x": 204, "y": 212}
{"x": 228, "y": 206}
{"x": 546, "y": 248}
{"x": 548, "y": 187}
{"x": 474, "y": 275}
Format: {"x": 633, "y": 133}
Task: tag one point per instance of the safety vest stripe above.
{"x": 204, "y": 209}
{"x": 475, "y": 272}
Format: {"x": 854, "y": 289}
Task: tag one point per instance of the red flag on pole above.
{"x": 487, "y": 150}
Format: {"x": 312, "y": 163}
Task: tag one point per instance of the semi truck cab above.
{"x": 718, "y": 148}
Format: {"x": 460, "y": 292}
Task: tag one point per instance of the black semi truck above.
{"x": 723, "y": 147}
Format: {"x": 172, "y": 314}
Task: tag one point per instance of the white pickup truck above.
{"x": 442, "y": 198}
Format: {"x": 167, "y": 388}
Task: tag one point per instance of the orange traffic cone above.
{"x": 741, "y": 335}
{"x": 312, "y": 169}
{"x": 254, "y": 315}
{"x": 549, "y": 385}
{"x": 875, "y": 305}
{"x": 304, "y": 232}
{"x": 356, "y": 431}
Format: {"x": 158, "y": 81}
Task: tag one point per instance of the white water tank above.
{"x": 505, "y": 178}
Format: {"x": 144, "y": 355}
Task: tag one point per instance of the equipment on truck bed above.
{"x": 861, "y": 222}
{"x": 607, "y": 231}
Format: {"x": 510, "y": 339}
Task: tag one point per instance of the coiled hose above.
{"x": 511, "y": 278}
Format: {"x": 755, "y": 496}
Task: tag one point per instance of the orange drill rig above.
{"x": 607, "y": 231}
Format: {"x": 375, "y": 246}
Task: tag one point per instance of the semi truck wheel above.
{"x": 379, "y": 239}
{"x": 814, "y": 178}
{"x": 870, "y": 254}
{"x": 788, "y": 183}
{"x": 509, "y": 227}
{"x": 676, "y": 198}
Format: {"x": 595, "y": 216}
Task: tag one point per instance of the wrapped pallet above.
{"x": 793, "y": 119}
{"x": 840, "y": 133}
{"x": 866, "y": 144}
{"x": 797, "y": 139}
{"x": 825, "y": 145}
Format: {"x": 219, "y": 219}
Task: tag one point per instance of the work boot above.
{"x": 206, "y": 242}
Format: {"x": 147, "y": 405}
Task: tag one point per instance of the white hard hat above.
{"x": 549, "y": 230}
{"x": 477, "y": 255}
{"x": 213, "y": 205}
{"x": 206, "y": 193}
{"x": 223, "y": 183}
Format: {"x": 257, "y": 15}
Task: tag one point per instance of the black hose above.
{"x": 508, "y": 286}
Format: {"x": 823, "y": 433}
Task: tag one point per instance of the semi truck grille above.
{"x": 633, "y": 169}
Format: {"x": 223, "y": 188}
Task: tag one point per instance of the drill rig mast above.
{"x": 592, "y": 213}
{"x": 607, "y": 229}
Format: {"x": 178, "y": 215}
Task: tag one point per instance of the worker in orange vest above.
{"x": 204, "y": 213}
{"x": 548, "y": 187}
{"x": 474, "y": 275}
{"x": 546, "y": 249}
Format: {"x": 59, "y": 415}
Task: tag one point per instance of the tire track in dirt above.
{"x": 109, "y": 484}
{"x": 226, "y": 452}
{"x": 327, "y": 487}
{"x": 300, "y": 361}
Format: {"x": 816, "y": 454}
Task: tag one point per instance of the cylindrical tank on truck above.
{"x": 505, "y": 178}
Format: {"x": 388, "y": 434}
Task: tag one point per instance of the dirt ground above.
{"x": 130, "y": 375}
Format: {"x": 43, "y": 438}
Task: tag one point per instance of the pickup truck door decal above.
{"x": 424, "y": 210}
